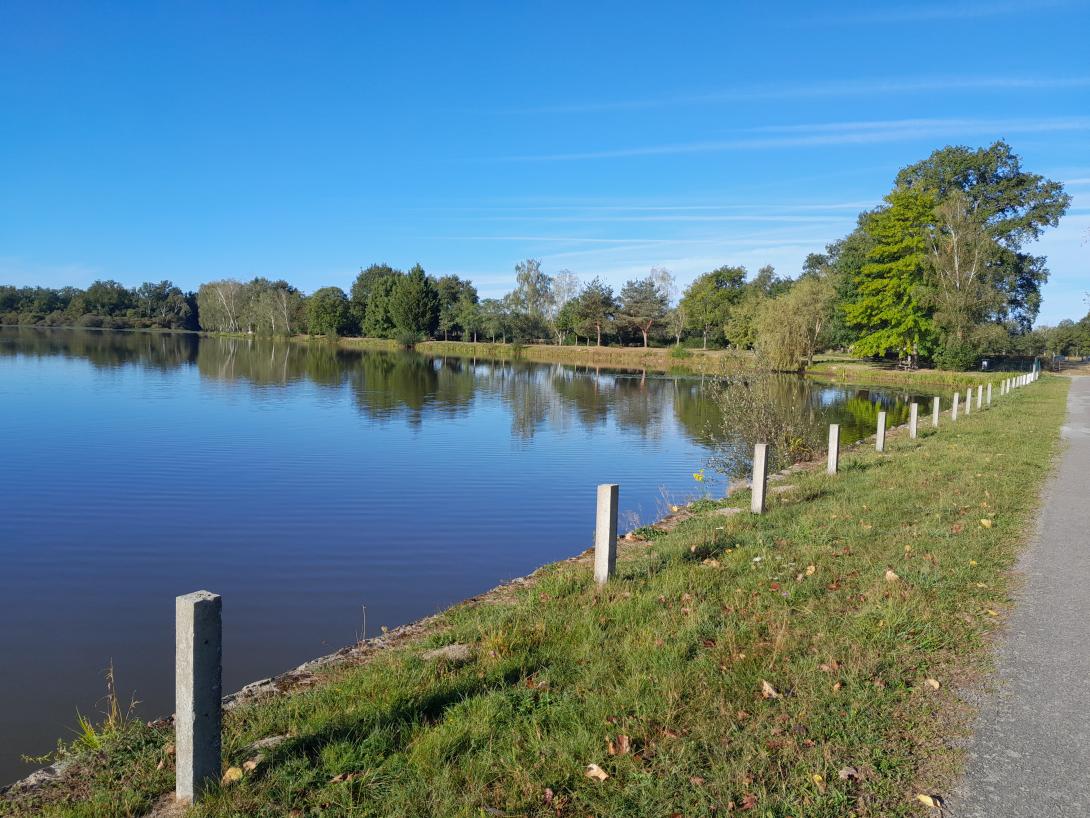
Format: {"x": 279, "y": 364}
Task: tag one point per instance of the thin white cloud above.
{"x": 832, "y": 134}
{"x": 576, "y": 207}
{"x": 842, "y": 88}
{"x": 947, "y": 11}
{"x": 687, "y": 218}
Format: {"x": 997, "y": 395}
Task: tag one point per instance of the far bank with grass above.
{"x": 681, "y": 360}
{"x": 803, "y": 662}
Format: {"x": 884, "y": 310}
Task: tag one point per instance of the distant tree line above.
{"x": 103, "y": 304}
{"x": 936, "y": 273}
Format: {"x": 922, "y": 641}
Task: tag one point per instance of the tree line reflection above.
{"x": 414, "y": 388}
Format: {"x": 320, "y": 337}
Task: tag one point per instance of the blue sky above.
{"x": 191, "y": 141}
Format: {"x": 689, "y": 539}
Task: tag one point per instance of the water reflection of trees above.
{"x": 415, "y": 388}
{"x": 102, "y": 349}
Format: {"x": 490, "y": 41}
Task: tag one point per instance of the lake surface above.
{"x": 302, "y": 482}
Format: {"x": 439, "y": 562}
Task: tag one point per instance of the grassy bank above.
{"x": 695, "y": 361}
{"x": 803, "y": 662}
{"x": 849, "y": 370}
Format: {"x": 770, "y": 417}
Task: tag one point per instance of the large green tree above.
{"x": 707, "y": 301}
{"x": 452, "y": 291}
{"x": 414, "y": 304}
{"x": 744, "y": 314}
{"x": 596, "y": 307}
{"x": 1012, "y": 205}
{"x": 642, "y": 303}
{"x": 378, "y": 320}
{"x": 328, "y": 312}
{"x": 365, "y": 284}
{"x": 888, "y": 310}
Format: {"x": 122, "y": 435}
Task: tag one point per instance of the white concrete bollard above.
{"x": 605, "y": 533}
{"x": 880, "y": 438}
{"x": 969, "y": 401}
{"x": 834, "y": 448}
{"x": 936, "y": 407}
{"x": 198, "y": 690}
{"x": 913, "y": 419}
{"x": 980, "y": 396}
{"x": 760, "y": 478}
{"x": 988, "y": 398}
{"x": 954, "y": 408}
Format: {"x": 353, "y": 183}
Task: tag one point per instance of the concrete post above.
{"x": 969, "y": 401}
{"x": 834, "y": 448}
{"x": 954, "y": 408}
{"x": 913, "y": 419}
{"x": 605, "y": 533}
{"x": 936, "y": 405}
{"x": 988, "y": 398}
{"x": 880, "y": 440}
{"x": 198, "y": 645}
{"x": 760, "y": 478}
{"x": 980, "y": 396}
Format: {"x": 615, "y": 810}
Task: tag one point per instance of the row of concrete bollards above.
{"x": 199, "y": 628}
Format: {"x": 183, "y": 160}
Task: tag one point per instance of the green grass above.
{"x": 672, "y": 655}
{"x": 852, "y": 370}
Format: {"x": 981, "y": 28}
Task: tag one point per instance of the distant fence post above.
{"x": 989, "y": 395}
{"x": 936, "y": 405}
{"x": 198, "y": 689}
{"x": 834, "y": 448}
{"x": 980, "y": 396}
{"x": 605, "y": 533}
{"x": 954, "y": 408}
{"x": 913, "y": 419}
{"x": 760, "y": 478}
{"x": 880, "y": 439}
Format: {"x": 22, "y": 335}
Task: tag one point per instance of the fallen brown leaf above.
{"x": 768, "y": 691}
{"x": 232, "y": 775}
{"x": 596, "y": 772}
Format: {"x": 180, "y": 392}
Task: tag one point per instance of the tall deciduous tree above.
{"x": 565, "y": 287}
{"x": 790, "y": 326}
{"x": 327, "y": 312}
{"x": 1013, "y": 206}
{"x": 220, "y": 305}
{"x": 533, "y": 289}
{"x": 962, "y": 292}
{"x": 707, "y": 301}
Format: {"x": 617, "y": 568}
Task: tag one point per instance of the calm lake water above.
{"x": 301, "y": 482}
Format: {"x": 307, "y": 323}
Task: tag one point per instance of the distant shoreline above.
{"x": 829, "y": 367}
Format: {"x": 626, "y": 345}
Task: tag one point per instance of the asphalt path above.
{"x": 1030, "y": 755}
